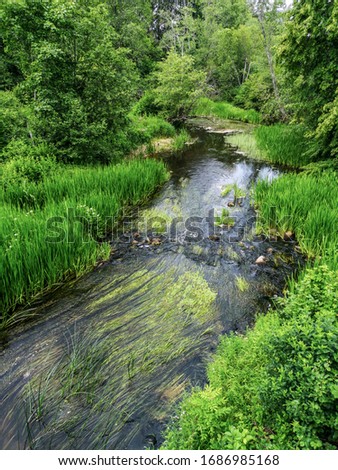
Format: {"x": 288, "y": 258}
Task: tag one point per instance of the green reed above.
{"x": 37, "y": 252}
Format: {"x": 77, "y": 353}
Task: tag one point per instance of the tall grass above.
{"x": 181, "y": 140}
{"x": 38, "y": 250}
{"x": 305, "y": 204}
{"x": 282, "y": 144}
{"x": 223, "y": 110}
{"x": 152, "y": 126}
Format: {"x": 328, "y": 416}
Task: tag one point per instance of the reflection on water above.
{"x": 111, "y": 354}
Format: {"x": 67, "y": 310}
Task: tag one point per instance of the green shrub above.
{"x": 27, "y": 163}
{"x": 275, "y": 387}
{"x": 152, "y": 126}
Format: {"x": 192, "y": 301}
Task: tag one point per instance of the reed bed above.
{"x": 52, "y": 230}
{"x": 307, "y": 205}
{"x": 282, "y": 144}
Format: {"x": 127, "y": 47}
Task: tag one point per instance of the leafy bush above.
{"x": 149, "y": 127}
{"x": 27, "y": 163}
{"x": 14, "y": 118}
{"x": 179, "y": 85}
{"x": 276, "y": 386}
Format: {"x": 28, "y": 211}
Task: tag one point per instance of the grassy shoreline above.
{"x": 43, "y": 241}
{"x": 275, "y": 387}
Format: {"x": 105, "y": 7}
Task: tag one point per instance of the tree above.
{"x": 267, "y": 12}
{"x": 179, "y": 85}
{"x": 78, "y": 81}
{"x": 309, "y": 55}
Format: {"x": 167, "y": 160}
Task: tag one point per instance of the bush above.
{"x": 14, "y": 118}
{"x": 275, "y": 387}
{"x": 27, "y": 163}
{"x": 149, "y": 127}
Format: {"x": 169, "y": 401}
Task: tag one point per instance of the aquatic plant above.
{"x": 224, "y": 219}
{"x": 280, "y": 143}
{"x": 181, "y": 140}
{"x": 306, "y": 205}
{"x": 242, "y": 284}
{"x": 130, "y": 356}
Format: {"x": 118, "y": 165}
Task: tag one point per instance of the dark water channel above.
{"x": 111, "y": 354}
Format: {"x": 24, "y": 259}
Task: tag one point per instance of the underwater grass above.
{"x": 134, "y": 354}
{"x": 223, "y": 110}
{"x": 49, "y": 230}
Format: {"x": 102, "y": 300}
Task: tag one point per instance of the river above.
{"x": 109, "y": 356}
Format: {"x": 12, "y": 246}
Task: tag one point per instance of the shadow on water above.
{"x": 111, "y": 354}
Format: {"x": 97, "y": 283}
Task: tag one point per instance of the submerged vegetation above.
{"x": 91, "y": 391}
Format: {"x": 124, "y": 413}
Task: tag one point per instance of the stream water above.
{"x": 109, "y": 356}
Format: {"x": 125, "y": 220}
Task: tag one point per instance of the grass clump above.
{"x": 152, "y": 126}
{"x": 306, "y": 205}
{"x": 275, "y": 387}
{"x": 223, "y": 110}
{"x": 239, "y": 193}
{"x": 50, "y": 229}
{"x": 242, "y": 284}
{"x": 282, "y": 144}
{"x": 182, "y": 138}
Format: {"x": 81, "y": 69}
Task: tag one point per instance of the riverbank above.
{"x": 275, "y": 386}
{"x": 54, "y": 228}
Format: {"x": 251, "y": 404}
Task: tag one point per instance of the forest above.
{"x": 89, "y": 91}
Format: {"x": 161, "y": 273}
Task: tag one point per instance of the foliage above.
{"x": 275, "y": 387}
{"x": 311, "y": 29}
{"x": 14, "y": 119}
{"x": 283, "y": 144}
{"x": 54, "y": 234}
{"x": 181, "y": 140}
{"x": 223, "y": 110}
{"x": 26, "y": 162}
{"x": 179, "y": 85}
{"x": 306, "y": 204}
{"x": 152, "y": 126}
{"x": 78, "y": 81}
